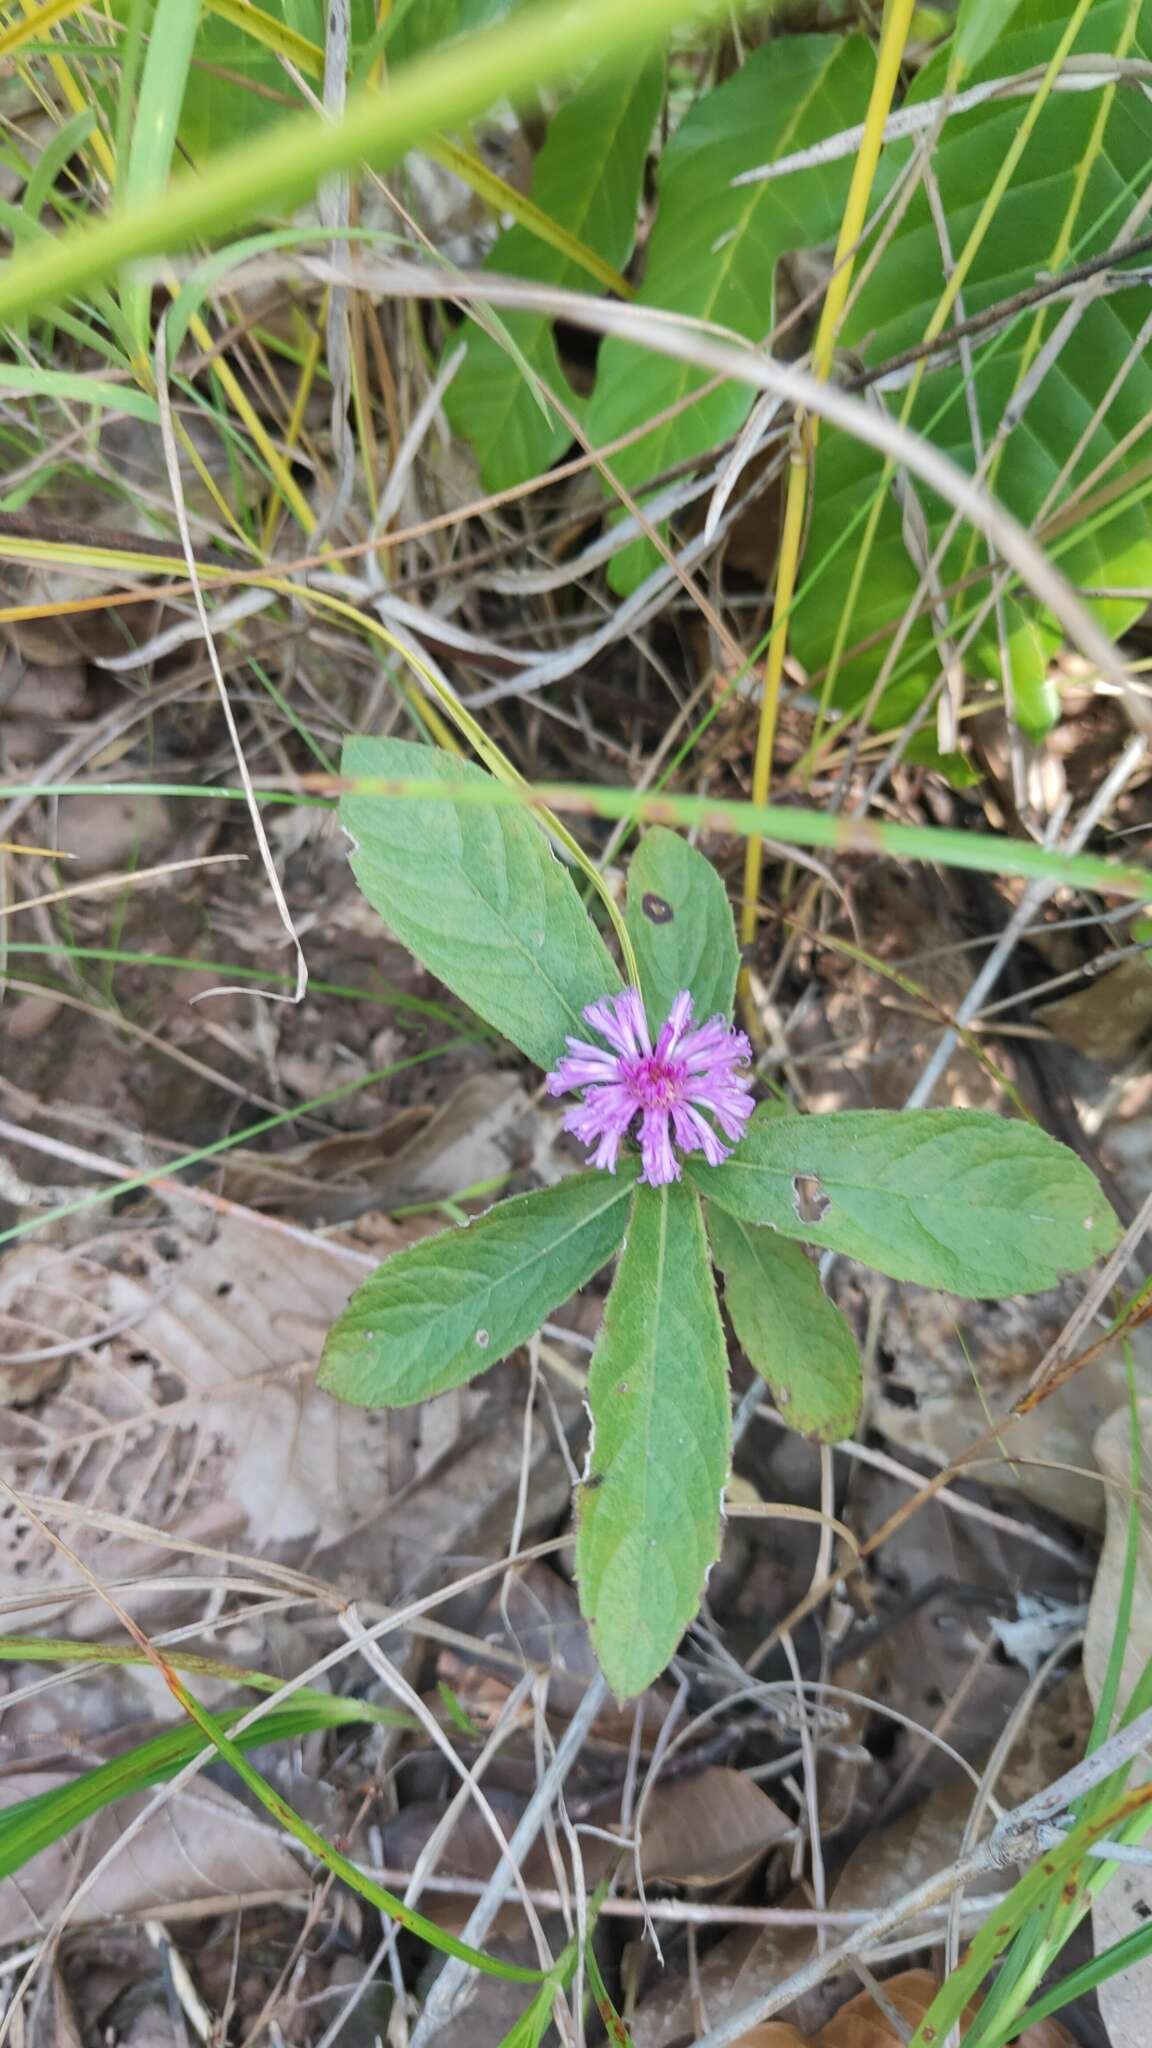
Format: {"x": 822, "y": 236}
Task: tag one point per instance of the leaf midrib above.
{"x": 618, "y": 1192}
{"x": 519, "y": 946}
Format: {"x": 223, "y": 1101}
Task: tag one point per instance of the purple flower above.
{"x": 667, "y": 1085}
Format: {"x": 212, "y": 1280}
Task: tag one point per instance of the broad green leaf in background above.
{"x": 450, "y": 1306}
{"x": 978, "y": 24}
{"x": 680, "y": 922}
{"x": 714, "y": 248}
{"x": 952, "y": 1198}
{"x": 649, "y": 1508}
{"x": 1081, "y": 173}
{"x": 587, "y": 178}
{"x": 795, "y": 1337}
{"x": 239, "y": 85}
{"x": 479, "y": 897}
{"x": 411, "y": 27}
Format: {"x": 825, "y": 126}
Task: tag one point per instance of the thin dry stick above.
{"x": 100, "y": 884}
{"x": 676, "y": 1912}
{"x": 1050, "y": 1373}
{"x": 669, "y": 335}
{"x": 1022, "y": 1835}
{"x": 455, "y": 1985}
{"x": 172, "y": 460}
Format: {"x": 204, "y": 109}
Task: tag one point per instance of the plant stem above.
{"x": 893, "y": 37}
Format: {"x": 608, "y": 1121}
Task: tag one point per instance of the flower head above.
{"x": 669, "y": 1085}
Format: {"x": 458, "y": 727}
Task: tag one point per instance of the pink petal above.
{"x": 621, "y": 1020}
{"x": 582, "y": 1066}
{"x": 714, "y": 1041}
{"x": 679, "y": 1018}
{"x": 695, "y": 1134}
{"x": 660, "y": 1162}
{"x": 603, "y": 1109}
{"x": 730, "y": 1106}
{"x": 607, "y": 1152}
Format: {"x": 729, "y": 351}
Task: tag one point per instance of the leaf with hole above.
{"x": 680, "y": 923}
{"x": 951, "y": 1198}
{"x": 479, "y": 897}
{"x": 587, "y": 179}
{"x": 715, "y": 246}
{"x": 649, "y": 1507}
{"x": 1074, "y": 466}
{"x": 448, "y": 1307}
{"x": 795, "y": 1337}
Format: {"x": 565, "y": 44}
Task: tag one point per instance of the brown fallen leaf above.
{"x": 198, "y": 1418}
{"x": 709, "y": 1828}
{"x": 895, "y": 1859}
{"x": 698, "y": 1830}
{"x": 423, "y": 1154}
{"x": 201, "y": 1847}
{"x": 863, "y": 2024}
{"x": 956, "y": 1363}
{"x": 535, "y": 1615}
{"x": 1110, "y": 1017}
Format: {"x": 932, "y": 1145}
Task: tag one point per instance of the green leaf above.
{"x": 978, "y": 25}
{"x": 950, "y": 1198}
{"x": 680, "y": 923}
{"x": 715, "y": 246}
{"x": 478, "y": 896}
{"x": 794, "y": 1336}
{"x": 587, "y": 179}
{"x": 649, "y": 1508}
{"x": 447, "y": 1308}
{"x": 1079, "y": 174}
{"x": 413, "y": 27}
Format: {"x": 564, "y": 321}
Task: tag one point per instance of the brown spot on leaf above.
{"x": 809, "y": 1199}
{"x": 656, "y": 909}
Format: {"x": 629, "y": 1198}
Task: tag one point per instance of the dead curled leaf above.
{"x": 709, "y": 1828}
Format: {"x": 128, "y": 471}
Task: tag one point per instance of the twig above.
{"x": 454, "y": 1986}
{"x": 1022, "y": 1835}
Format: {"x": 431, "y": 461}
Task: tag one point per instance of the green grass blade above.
{"x": 78, "y": 389}
{"x": 392, "y": 1907}
{"x": 33, "y": 1824}
{"x": 162, "y": 83}
{"x": 282, "y": 168}
{"x": 993, "y": 854}
{"x": 1122, "y": 1955}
